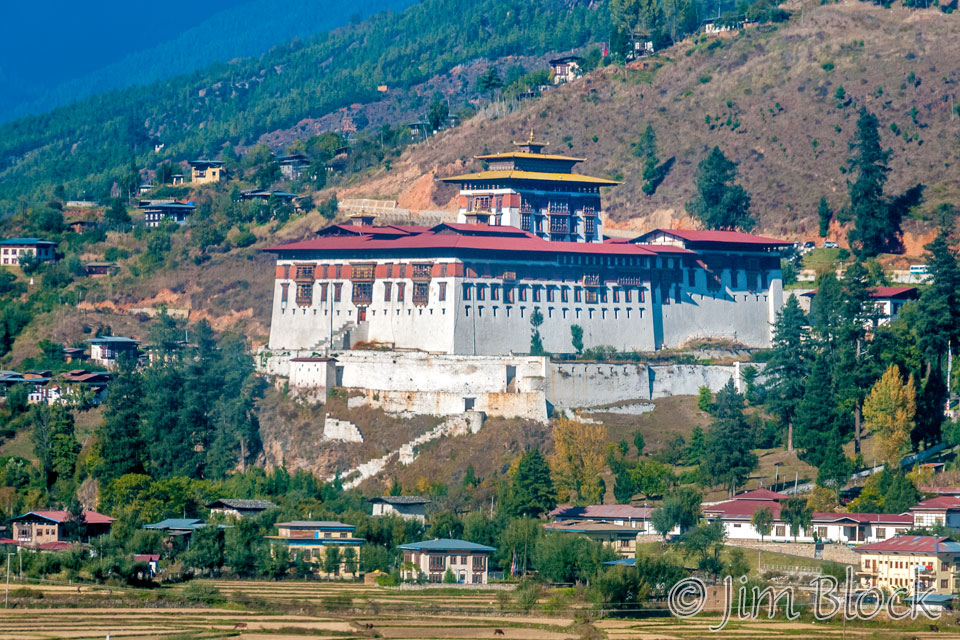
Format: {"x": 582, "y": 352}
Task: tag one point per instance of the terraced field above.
{"x": 298, "y": 611}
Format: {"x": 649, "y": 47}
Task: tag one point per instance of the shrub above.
{"x": 26, "y": 592}
{"x": 388, "y": 580}
{"x": 203, "y": 593}
{"x": 827, "y": 66}
{"x": 244, "y": 239}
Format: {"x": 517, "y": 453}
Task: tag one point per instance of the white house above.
{"x": 12, "y": 249}
{"x": 104, "y": 350}
{"x": 467, "y": 561}
{"x": 846, "y": 528}
{"x": 944, "y": 509}
{"x": 407, "y": 507}
{"x": 617, "y": 514}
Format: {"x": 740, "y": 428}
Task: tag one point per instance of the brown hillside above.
{"x": 769, "y": 93}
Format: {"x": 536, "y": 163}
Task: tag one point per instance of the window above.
{"x": 525, "y": 222}
{"x": 337, "y": 288}
{"x": 779, "y": 532}
{"x": 494, "y": 292}
{"x": 421, "y": 293}
{"x": 436, "y": 563}
{"x": 577, "y": 294}
{"x": 422, "y": 271}
{"x": 339, "y": 271}
{"x": 881, "y": 533}
{"x": 323, "y": 293}
{"x": 481, "y": 292}
{"x": 463, "y": 559}
{"x": 479, "y": 563}
{"x": 551, "y": 294}
{"x": 565, "y": 295}
{"x": 626, "y": 296}
{"x": 387, "y": 291}
{"x": 590, "y": 227}
{"x": 283, "y": 291}
{"x": 304, "y": 272}
{"x": 616, "y": 295}
{"x": 400, "y": 287}
{"x": 508, "y": 294}
{"x": 522, "y": 292}
{"x": 466, "y": 291}
{"x": 304, "y": 295}
{"x": 388, "y": 269}
{"x": 442, "y": 297}
{"x": 362, "y": 293}
{"x": 443, "y": 270}
{"x": 536, "y": 293}
{"x": 286, "y": 269}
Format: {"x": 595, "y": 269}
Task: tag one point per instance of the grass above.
{"x": 821, "y": 260}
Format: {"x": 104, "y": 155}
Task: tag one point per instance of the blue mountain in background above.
{"x": 148, "y": 44}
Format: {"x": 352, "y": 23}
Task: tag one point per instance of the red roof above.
{"x": 895, "y": 292}
{"x": 721, "y": 237}
{"x": 938, "y": 504}
{"x": 58, "y": 545}
{"x": 602, "y": 511}
{"x": 471, "y": 237}
{"x": 146, "y": 557}
{"x": 59, "y": 516}
{"x": 865, "y": 518}
{"x": 910, "y": 544}
{"x": 742, "y": 509}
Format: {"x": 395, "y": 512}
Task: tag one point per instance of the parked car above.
{"x": 809, "y": 245}
{"x": 830, "y": 245}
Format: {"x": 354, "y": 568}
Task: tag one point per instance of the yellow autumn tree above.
{"x": 577, "y": 460}
{"x": 889, "y": 414}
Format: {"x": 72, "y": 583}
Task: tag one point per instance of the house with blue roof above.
{"x": 467, "y": 561}
{"x": 105, "y": 350}
{"x": 12, "y": 249}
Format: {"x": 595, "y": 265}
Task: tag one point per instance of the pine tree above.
{"x": 938, "y": 323}
{"x": 531, "y": 489}
{"x": 696, "y": 447}
{"x": 729, "y": 458}
{"x": 901, "y": 494}
{"x": 824, "y": 215}
{"x": 54, "y": 442}
{"x": 720, "y": 203}
{"x": 835, "y": 468}
{"x": 877, "y": 225}
{"x": 121, "y": 444}
{"x": 815, "y": 418}
{"x": 788, "y": 365}
{"x": 647, "y": 149}
{"x": 889, "y": 413}
{"x": 625, "y": 486}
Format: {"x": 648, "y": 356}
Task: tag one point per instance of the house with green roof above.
{"x": 12, "y": 249}
{"x": 467, "y": 561}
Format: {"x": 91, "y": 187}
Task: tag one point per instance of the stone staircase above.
{"x": 341, "y": 340}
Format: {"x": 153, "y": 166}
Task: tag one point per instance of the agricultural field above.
{"x": 299, "y": 610}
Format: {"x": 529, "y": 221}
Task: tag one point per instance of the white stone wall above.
{"x": 341, "y": 430}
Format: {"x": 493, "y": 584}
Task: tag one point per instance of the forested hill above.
{"x": 87, "y": 145}
{"x": 248, "y": 29}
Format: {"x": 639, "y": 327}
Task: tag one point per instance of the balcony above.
{"x": 591, "y": 280}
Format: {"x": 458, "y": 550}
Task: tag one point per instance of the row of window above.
{"x": 520, "y": 293}
{"x": 578, "y": 312}
{"x": 365, "y": 271}
{"x": 362, "y": 292}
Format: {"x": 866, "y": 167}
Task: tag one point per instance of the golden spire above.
{"x": 531, "y": 145}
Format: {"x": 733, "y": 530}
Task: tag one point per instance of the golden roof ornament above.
{"x": 530, "y": 145}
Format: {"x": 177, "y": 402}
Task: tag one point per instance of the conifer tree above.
{"x": 647, "y": 149}
{"x": 788, "y": 365}
{"x": 531, "y": 489}
{"x": 835, "y": 468}
{"x": 729, "y": 458}
{"x": 824, "y": 216}
{"x": 119, "y": 438}
{"x": 720, "y": 203}
{"x": 816, "y": 415}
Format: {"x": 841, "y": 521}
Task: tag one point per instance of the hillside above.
{"x": 765, "y": 96}
{"x": 248, "y": 29}
{"x": 85, "y": 147}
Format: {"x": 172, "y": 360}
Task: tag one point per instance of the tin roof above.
{"x": 62, "y": 515}
{"x": 238, "y": 503}
{"x": 912, "y": 544}
{"x": 532, "y": 176}
{"x": 716, "y": 237}
{"x": 612, "y": 511}
{"x": 401, "y": 500}
{"x": 445, "y": 544}
{"x": 26, "y": 242}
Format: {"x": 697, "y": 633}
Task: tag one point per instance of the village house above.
{"x": 911, "y": 563}
{"x": 624, "y": 515}
{"x": 45, "y": 529}
{"x": 205, "y": 171}
{"x": 156, "y": 213}
{"x": 152, "y": 560}
{"x": 176, "y": 526}
{"x": 467, "y": 561}
{"x": 292, "y": 166}
{"x": 845, "y": 528}
{"x": 238, "y": 508}
{"x": 621, "y": 538}
{"x": 942, "y": 510}
{"x": 74, "y": 354}
{"x": 100, "y": 269}
{"x": 12, "y": 249}
{"x": 407, "y": 507}
{"x": 264, "y": 195}
{"x": 565, "y": 69}
{"x": 308, "y": 540}
{"x": 887, "y": 302}
{"x": 105, "y": 350}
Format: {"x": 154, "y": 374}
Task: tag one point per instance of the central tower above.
{"x": 534, "y": 191}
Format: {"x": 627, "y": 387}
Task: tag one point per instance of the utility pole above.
{"x": 6, "y": 595}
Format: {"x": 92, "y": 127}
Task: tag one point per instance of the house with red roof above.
{"x": 942, "y": 510}
{"x": 912, "y": 563}
{"x": 887, "y": 301}
{"x": 45, "y": 529}
{"x": 845, "y": 528}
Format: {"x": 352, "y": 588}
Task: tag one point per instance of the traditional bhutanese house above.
{"x": 80, "y": 385}
{"x": 943, "y": 510}
{"x": 309, "y": 539}
{"x": 407, "y": 507}
{"x": 156, "y": 213}
{"x": 239, "y": 508}
{"x": 105, "y": 350}
{"x": 467, "y": 561}
{"x": 846, "y": 528}
{"x": 293, "y": 165}
{"x": 44, "y": 529}
{"x": 623, "y": 515}
{"x": 533, "y": 191}
{"x": 176, "y": 527}
{"x": 12, "y": 249}
{"x": 887, "y": 301}
{"x": 913, "y": 563}
{"x": 100, "y": 269}
{"x": 74, "y": 354}
{"x": 205, "y": 171}
{"x": 622, "y": 539}
{"x": 152, "y": 560}
{"x": 265, "y": 195}
{"x": 565, "y": 69}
